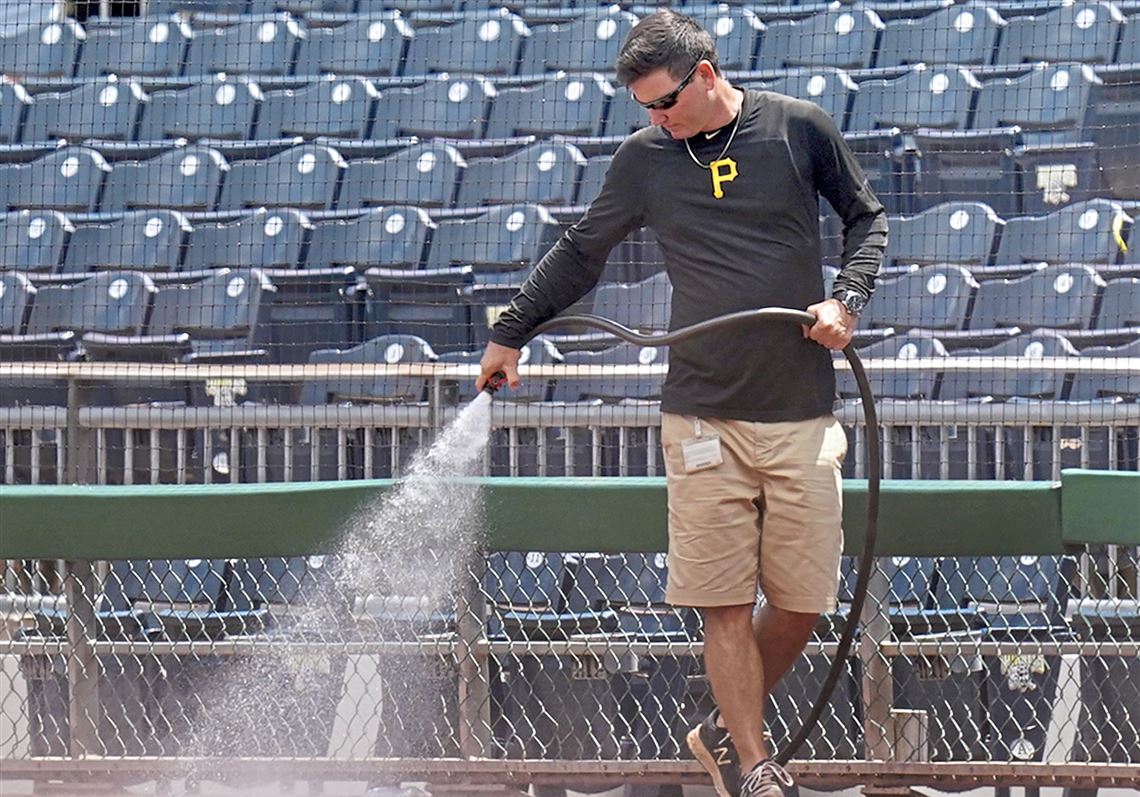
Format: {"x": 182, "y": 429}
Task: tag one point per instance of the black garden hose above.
{"x": 874, "y": 468}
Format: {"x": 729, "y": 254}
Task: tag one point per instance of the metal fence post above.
{"x": 474, "y": 665}
{"x": 878, "y": 687}
{"x": 82, "y": 665}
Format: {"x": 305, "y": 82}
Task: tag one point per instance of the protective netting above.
{"x": 265, "y": 240}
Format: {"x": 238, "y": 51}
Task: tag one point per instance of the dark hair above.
{"x": 664, "y": 39}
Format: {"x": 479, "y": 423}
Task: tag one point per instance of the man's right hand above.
{"x": 497, "y": 358}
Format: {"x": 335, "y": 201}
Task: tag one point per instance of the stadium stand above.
{"x": 840, "y": 37}
{"x": 68, "y": 180}
{"x": 136, "y": 48}
{"x": 333, "y": 108}
{"x": 42, "y": 51}
{"x": 478, "y": 43}
{"x": 588, "y": 43}
{"x": 271, "y": 238}
{"x": 249, "y": 46}
{"x": 964, "y": 34}
{"x": 363, "y": 45}
{"x": 213, "y": 107}
{"x": 142, "y": 240}
{"x": 182, "y": 178}
{"x": 569, "y": 105}
{"x": 107, "y": 110}
{"x": 33, "y": 240}
{"x": 306, "y": 177}
{"x": 543, "y": 174}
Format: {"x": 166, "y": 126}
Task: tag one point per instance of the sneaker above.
{"x": 767, "y": 779}
{"x": 713, "y": 748}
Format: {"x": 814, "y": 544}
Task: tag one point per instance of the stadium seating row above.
{"x": 499, "y": 242}
{"x": 498, "y": 42}
{"x": 538, "y": 596}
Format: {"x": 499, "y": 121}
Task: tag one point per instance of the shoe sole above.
{"x": 704, "y": 757}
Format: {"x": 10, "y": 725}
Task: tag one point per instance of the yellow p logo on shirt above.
{"x": 723, "y": 171}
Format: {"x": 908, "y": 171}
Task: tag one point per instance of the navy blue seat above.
{"x": 425, "y": 175}
{"x": 16, "y": 295}
{"x": 935, "y": 297}
{"x": 1094, "y": 386}
{"x": 1117, "y": 319}
{"x": 215, "y": 107}
{"x": 441, "y": 107}
{"x": 424, "y": 302}
{"x": 390, "y": 237}
{"x": 14, "y": 104}
{"x": 1020, "y": 383}
{"x": 264, "y": 239}
{"x": 147, "y": 240}
{"x": 736, "y": 31}
{"x": 897, "y": 384}
{"x": 1083, "y": 232}
{"x": 261, "y": 593}
{"x": 42, "y": 50}
{"x": 69, "y": 179}
{"x": 828, "y": 87}
{"x": 545, "y": 174}
{"x": 1084, "y": 32}
{"x": 330, "y": 108}
{"x": 33, "y": 240}
{"x": 388, "y": 389}
{"x": 841, "y": 37}
{"x": 249, "y": 46}
{"x": 593, "y": 177}
{"x": 643, "y": 306}
{"x": 589, "y": 43}
{"x": 537, "y": 351}
{"x": 922, "y": 97}
{"x": 569, "y": 105}
{"x": 961, "y": 233}
{"x": 113, "y": 302}
{"x": 478, "y": 42}
{"x": 305, "y": 176}
{"x": 502, "y": 241}
{"x": 365, "y": 45}
{"x": 965, "y": 34}
{"x": 185, "y": 179}
{"x": 145, "y": 47}
{"x": 611, "y": 389}
{"x": 215, "y": 319}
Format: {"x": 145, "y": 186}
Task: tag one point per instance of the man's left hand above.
{"x": 834, "y": 325}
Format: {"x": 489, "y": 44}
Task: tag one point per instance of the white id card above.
{"x": 700, "y": 452}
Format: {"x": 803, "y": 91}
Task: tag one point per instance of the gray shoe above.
{"x": 766, "y": 779}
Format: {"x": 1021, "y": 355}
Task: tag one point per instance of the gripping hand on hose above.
{"x": 498, "y": 358}
{"x": 834, "y": 325}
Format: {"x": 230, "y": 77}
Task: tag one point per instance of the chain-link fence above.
{"x": 265, "y": 241}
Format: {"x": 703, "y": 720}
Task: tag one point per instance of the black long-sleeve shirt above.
{"x": 757, "y": 245}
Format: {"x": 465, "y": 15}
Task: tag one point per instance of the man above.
{"x": 730, "y": 181}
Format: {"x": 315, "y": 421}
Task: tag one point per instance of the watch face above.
{"x": 854, "y": 303}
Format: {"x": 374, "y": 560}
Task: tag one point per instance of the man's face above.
{"x": 676, "y": 106}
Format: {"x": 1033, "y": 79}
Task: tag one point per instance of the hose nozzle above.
{"x": 496, "y": 381}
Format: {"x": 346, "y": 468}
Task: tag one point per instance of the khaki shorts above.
{"x": 769, "y": 515}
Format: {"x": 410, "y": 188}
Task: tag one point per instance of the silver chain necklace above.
{"x": 727, "y": 144}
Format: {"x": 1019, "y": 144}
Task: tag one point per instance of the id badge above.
{"x": 700, "y": 452}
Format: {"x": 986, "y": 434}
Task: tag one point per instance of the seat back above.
{"x": 149, "y": 240}
{"x": 426, "y": 175}
{"x": 33, "y": 240}
{"x": 264, "y": 239}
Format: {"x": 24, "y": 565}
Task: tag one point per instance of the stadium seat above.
{"x": 1084, "y": 32}
{"x": 14, "y": 104}
{"x": 42, "y": 50}
{"x": 589, "y": 43}
{"x": 922, "y": 97}
{"x": 840, "y": 37}
{"x": 569, "y": 105}
{"x": 69, "y": 179}
{"x": 611, "y": 389}
{"x": 249, "y": 46}
{"x": 33, "y": 240}
{"x": 286, "y": 594}
{"x": 915, "y": 343}
{"x": 425, "y": 175}
{"x": 332, "y": 108}
{"x": 1058, "y": 297}
{"x": 545, "y": 174}
{"x": 537, "y": 351}
{"x": 593, "y": 177}
{"x": 962, "y": 233}
{"x": 1003, "y": 385}
{"x": 144, "y": 240}
{"x": 305, "y": 176}
{"x": 184, "y": 179}
{"x": 1097, "y": 386}
{"x": 112, "y": 302}
{"x": 389, "y": 237}
{"x": 965, "y": 34}
{"x": 145, "y": 47}
{"x": 215, "y": 319}
{"x": 266, "y": 239}
{"x": 389, "y": 389}
{"x": 1084, "y": 232}
{"x": 504, "y": 239}
{"x": 425, "y": 302}
{"x": 736, "y": 31}
{"x": 18, "y": 15}
{"x": 642, "y": 306}
{"x": 829, "y": 88}
{"x": 478, "y": 43}
{"x": 98, "y": 110}
{"x": 365, "y": 45}
{"x": 933, "y": 297}
{"x": 1117, "y": 318}
{"x": 442, "y": 107}
{"x": 215, "y": 107}
{"x": 624, "y": 116}
{"x": 16, "y": 295}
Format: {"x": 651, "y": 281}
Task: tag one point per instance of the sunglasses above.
{"x": 670, "y": 99}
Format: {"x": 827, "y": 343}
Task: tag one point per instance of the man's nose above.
{"x": 658, "y": 117}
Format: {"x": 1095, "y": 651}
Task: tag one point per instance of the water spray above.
{"x": 874, "y": 466}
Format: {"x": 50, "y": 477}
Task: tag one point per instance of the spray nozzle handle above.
{"x": 494, "y": 382}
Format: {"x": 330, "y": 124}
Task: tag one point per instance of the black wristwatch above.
{"x": 854, "y": 302}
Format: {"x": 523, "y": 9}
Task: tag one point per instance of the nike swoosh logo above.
{"x": 713, "y": 134}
